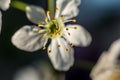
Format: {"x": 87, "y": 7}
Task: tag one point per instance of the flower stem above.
{"x": 51, "y": 7}
{"x": 18, "y": 5}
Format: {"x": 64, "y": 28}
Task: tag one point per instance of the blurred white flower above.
{"x": 60, "y": 52}
{"x": 43, "y": 71}
{"x": 108, "y": 66}
{"x": 4, "y": 5}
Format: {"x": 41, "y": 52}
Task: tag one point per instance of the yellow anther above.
{"x": 57, "y": 9}
{"x": 48, "y": 12}
{"x": 54, "y": 20}
{"x": 57, "y": 27}
{"x": 67, "y": 49}
{"x": 74, "y": 20}
{"x": 67, "y": 29}
{"x": 75, "y": 27}
{"x": 49, "y": 31}
{"x": 39, "y": 31}
{"x": 38, "y": 24}
{"x": 46, "y": 19}
{"x": 59, "y": 46}
{"x": 43, "y": 48}
{"x": 62, "y": 16}
{"x": 68, "y": 33}
{"x": 59, "y": 33}
{"x": 50, "y": 51}
{"x": 43, "y": 36}
{"x": 71, "y": 44}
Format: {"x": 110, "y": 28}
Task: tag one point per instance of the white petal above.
{"x": 4, "y": 4}
{"x": 108, "y": 64}
{"x": 0, "y": 21}
{"x": 61, "y": 59}
{"x": 28, "y": 40}
{"x": 68, "y": 8}
{"x": 28, "y": 73}
{"x": 35, "y": 14}
{"x": 79, "y": 36}
{"x": 114, "y": 51}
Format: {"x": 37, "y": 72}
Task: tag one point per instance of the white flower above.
{"x": 32, "y": 38}
{"x": 4, "y": 5}
{"x": 108, "y": 66}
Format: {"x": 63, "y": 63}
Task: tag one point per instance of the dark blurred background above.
{"x": 100, "y": 17}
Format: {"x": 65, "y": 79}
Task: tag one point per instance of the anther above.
{"x": 43, "y": 48}
{"x": 54, "y": 20}
{"x": 39, "y": 31}
{"x": 49, "y": 31}
{"x": 67, "y": 29}
{"x": 48, "y": 12}
{"x": 57, "y": 27}
{"x": 43, "y": 36}
{"x": 57, "y": 9}
{"x": 75, "y": 27}
{"x": 62, "y": 16}
{"x": 59, "y": 46}
{"x": 67, "y": 49}
{"x": 71, "y": 44}
{"x": 68, "y": 33}
{"x": 74, "y": 20}
{"x": 49, "y": 51}
{"x": 38, "y": 24}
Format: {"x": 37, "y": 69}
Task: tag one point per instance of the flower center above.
{"x": 54, "y": 28}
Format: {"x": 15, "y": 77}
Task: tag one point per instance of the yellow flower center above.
{"x": 54, "y": 28}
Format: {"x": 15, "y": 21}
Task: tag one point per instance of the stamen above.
{"x": 50, "y": 51}
{"x": 71, "y": 44}
{"x": 74, "y": 20}
{"x": 57, "y": 9}
{"x": 38, "y": 24}
{"x": 67, "y": 29}
{"x": 57, "y": 27}
{"x": 46, "y": 20}
{"x": 48, "y": 12}
{"x": 44, "y": 44}
{"x": 67, "y": 49}
{"x": 54, "y": 20}
{"x": 48, "y": 15}
{"x": 59, "y": 46}
{"x": 68, "y": 33}
{"x": 62, "y": 16}
{"x": 44, "y": 35}
{"x": 39, "y": 31}
{"x": 75, "y": 27}
{"x": 49, "y": 31}
{"x": 43, "y": 48}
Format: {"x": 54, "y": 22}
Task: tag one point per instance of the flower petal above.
{"x": 0, "y": 21}
{"x": 108, "y": 64}
{"x": 77, "y": 35}
{"x": 28, "y": 40}
{"x": 60, "y": 54}
{"x": 35, "y": 14}
{"x": 4, "y": 4}
{"x": 68, "y": 8}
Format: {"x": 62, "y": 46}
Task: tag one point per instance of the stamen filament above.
{"x": 48, "y": 15}
{"x": 73, "y": 20}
